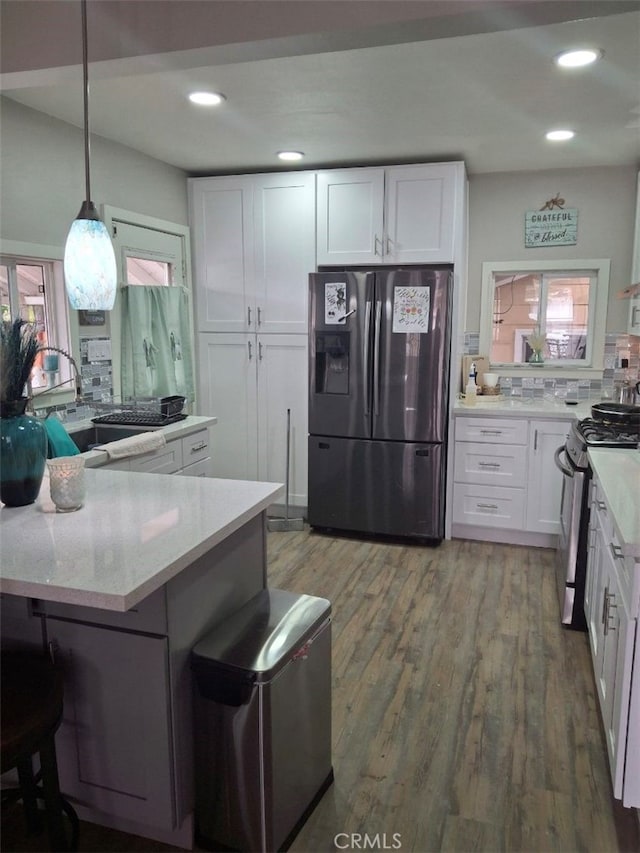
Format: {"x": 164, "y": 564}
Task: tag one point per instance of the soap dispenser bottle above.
{"x": 471, "y": 389}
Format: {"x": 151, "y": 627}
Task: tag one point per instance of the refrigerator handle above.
{"x": 376, "y": 360}
{"x": 367, "y": 356}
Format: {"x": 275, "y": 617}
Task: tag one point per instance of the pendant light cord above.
{"x": 85, "y": 78}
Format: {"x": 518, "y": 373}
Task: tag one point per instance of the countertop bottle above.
{"x": 471, "y": 389}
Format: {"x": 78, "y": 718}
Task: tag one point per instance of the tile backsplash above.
{"x": 617, "y": 347}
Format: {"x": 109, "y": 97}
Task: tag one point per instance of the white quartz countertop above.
{"x": 520, "y": 407}
{"x": 618, "y": 471}
{"x": 179, "y": 429}
{"x": 134, "y": 533}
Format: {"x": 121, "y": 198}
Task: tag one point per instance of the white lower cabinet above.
{"x": 612, "y": 630}
{"x": 250, "y": 382}
{"x": 505, "y": 477}
{"x": 114, "y": 744}
{"x": 544, "y": 480}
{"x": 189, "y": 456}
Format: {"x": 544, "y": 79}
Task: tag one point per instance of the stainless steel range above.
{"x": 571, "y": 555}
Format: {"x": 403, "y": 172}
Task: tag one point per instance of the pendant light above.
{"x": 89, "y": 260}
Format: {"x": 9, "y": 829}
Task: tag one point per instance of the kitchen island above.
{"x": 121, "y": 590}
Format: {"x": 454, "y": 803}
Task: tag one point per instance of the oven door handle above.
{"x": 568, "y": 472}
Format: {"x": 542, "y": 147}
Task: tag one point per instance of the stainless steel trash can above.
{"x": 262, "y": 721}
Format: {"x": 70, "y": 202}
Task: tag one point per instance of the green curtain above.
{"x": 156, "y": 342}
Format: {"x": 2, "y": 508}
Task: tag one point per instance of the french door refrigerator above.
{"x": 379, "y": 352}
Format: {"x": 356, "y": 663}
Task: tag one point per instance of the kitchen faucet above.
{"x": 76, "y": 373}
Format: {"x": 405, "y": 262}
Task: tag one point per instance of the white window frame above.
{"x": 599, "y": 267}
{"x": 56, "y": 308}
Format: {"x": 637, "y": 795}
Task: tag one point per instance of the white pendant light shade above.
{"x": 90, "y": 266}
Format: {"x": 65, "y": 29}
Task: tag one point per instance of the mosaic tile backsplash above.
{"x": 616, "y": 347}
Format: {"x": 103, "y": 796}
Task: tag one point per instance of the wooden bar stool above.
{"x": 32, "y": 692}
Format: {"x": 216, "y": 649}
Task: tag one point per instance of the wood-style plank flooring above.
{"x": 464, "y": 717}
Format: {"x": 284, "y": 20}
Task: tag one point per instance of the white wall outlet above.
{"x": 99, "y": 350}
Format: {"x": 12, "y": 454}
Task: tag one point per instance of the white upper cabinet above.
{"x": 254, "y": 247}
{"x": 350, "y": 206}
{"x": 222, "y": 228}
{"x": 284, "y": 246}
{"x": 393, "y": 215}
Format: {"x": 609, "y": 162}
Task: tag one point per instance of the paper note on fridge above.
{"x": 335, "y": 302}
{"x": 411, "y": 309}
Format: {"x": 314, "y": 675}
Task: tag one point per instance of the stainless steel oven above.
{"x": 571, "y": 554}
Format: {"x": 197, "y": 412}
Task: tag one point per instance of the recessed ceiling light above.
{"x": 559, "y": 135}
{"x": 578, "y": 58}
{"x": 206, "y": 99}
{"x": 290, "y": 155}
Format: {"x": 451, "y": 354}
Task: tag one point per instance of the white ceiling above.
{"x": 457, "y": 80}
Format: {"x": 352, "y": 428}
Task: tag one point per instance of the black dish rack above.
{"x": 138, "y": 418}
{"x": 170, "y": 412}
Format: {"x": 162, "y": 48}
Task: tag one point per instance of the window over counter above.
{"x": 28, "y": 291}
{"x": 548, "y": 314}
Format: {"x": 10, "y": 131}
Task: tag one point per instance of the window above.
{"x": 147, "y": 271}
{"x": 562, "y": 304}
{"x": 23, "y": 290}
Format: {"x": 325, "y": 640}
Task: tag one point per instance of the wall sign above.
{"x": 91, "y": 318}
{"x": 552, "y": 225}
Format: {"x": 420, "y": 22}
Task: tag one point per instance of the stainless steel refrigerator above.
{"x": 379, "y": 352}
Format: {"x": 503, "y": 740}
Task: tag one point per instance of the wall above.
{"x": 42, "y": 177}
{"x": 605, "y": 199}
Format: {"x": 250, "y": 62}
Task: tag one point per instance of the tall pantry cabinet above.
{"x": 254, "y": 247}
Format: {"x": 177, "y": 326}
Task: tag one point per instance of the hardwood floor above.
{"x": 464, "y": 716}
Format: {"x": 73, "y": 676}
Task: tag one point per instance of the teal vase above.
{"x": 23, "y": 453}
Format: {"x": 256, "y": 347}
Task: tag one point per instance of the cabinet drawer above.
{"x": 195, "y": 447}
{"x": 488, "y": 506}
{"x": 166, "y": 460}
{"x": 497, "y": 465}
{"x": 197, "y": 469}
{"x": 492, "y": 430}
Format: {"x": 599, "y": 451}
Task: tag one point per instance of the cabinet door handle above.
{"x": 196, "y": 447}
{"x": 389, "y": 242}
{"x": 601, "y": 505}
{"x": 535, "y": 440}
{"x": 259, "y": 316}
{"x": 605, "y": 600}
{"x": 250, "y": 351}
{"x": 611, "y": 605}
{"x": 488, "y": 464}
{"x": 248, "y": 315}
{"x": 260, "y": 350}
{"x": 487, "y": 506}
{"x": 616, "y": 550}
{"x": 608, "y": 605}
{"x": 377, "y": 240}
{"x": 490, "y": 432}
